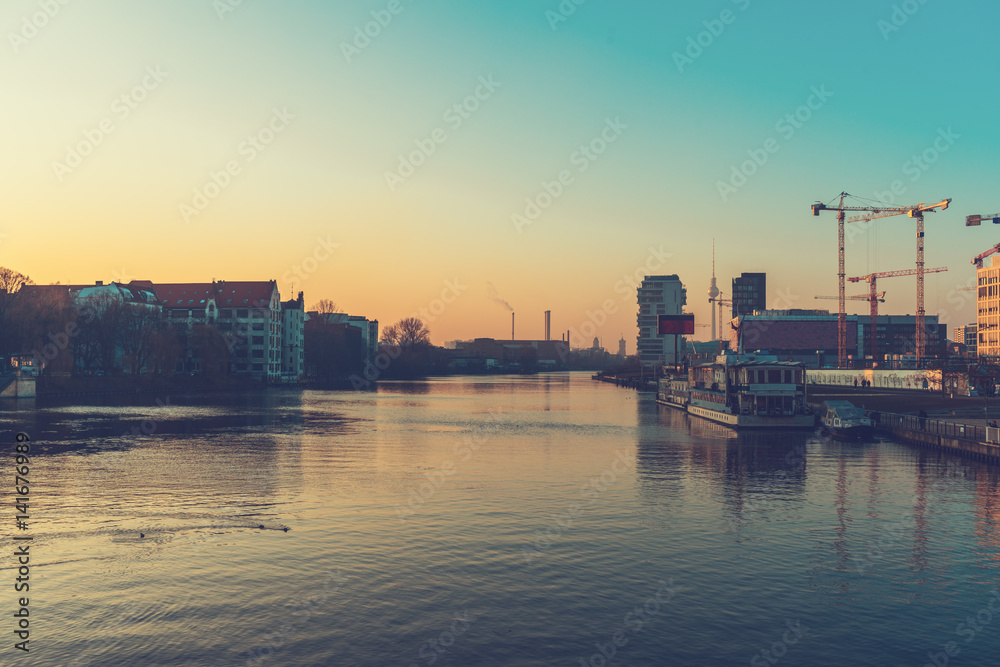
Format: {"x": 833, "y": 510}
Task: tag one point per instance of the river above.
{"x": 503, "y": 520}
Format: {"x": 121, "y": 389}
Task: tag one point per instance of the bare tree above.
{"x": 11, "y": 281}
{"x": 407, "y": 333}
{"x": 390, "y": 335}
{"x": 11, "y": 331}
{"x": 138, "y": 326}
{"x": 212, "y": 351}
{"x": 326, "y": 307}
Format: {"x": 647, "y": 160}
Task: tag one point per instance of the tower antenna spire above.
{"x": 713, "y": 294}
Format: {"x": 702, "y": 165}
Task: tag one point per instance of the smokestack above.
{"x": 548, "y": 325}
{"x": 512, "y": 325}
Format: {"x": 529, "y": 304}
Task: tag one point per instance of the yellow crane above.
{"x": 915, "y": 211}
{"x": 872, "y": 279}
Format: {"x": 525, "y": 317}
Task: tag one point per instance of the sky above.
{"x": 401, "y": 156}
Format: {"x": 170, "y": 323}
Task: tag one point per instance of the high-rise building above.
{"x": 621, "y": 348}
{"x": 749, "y": 293}
{"x": 658, "y": 295}
{"x": 967, "y": 336}
{"x": 988, "y": 309}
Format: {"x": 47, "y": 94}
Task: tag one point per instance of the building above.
{"x": 246, "y": 313}
{"x": 810, "y": 336}
{"x": 485, "y": 354}
{"x": 749, "y": 294}
{"x": 622, "y": 348}
{"x": 896, "y": 336}
{"x": 658, "y": 295}
{"x": 966, "y": 335}
{"x": 293, "y": 339}
{"x": 369, "y": 330}
{"x": 988, "y": 309}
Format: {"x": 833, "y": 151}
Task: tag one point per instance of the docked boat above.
{"x": 749, "y": 391}
{"x": 842, "y": 419}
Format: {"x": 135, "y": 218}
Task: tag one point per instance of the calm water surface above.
{"x": 489, "y": 521}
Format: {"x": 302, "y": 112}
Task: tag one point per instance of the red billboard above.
{"x": 675, "y": 325}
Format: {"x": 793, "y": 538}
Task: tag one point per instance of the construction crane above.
{"x": 722, "y": 302}
{"x": 978, "y": 259}
{"x": 842, "y": 312}
{"x": 719, "y": 300}
{"x": 872, "y": 280}
{"x": 974, "y": 220}
{"x": 915, "y": 211}
{"x": 856, "y": 297}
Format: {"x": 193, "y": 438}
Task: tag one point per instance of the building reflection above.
{"x": 872, "y": 489}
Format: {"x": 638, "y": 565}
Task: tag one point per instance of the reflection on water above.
{"x": 489, "y": 520}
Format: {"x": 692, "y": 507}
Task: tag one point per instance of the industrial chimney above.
{"x": 548, "y": 325}
{"x": 512, "y": 325}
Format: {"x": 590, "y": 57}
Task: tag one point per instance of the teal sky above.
{"x": 892, "y": 93}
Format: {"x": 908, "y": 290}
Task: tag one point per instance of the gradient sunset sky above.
{"x": 341, "y": 111}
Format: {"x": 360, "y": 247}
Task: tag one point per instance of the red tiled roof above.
{"x": 226, "y": 293}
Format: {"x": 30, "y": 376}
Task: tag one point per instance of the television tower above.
{"x": 713, "y": 293}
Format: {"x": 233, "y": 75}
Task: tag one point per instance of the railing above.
{"x": 937, "y": 427}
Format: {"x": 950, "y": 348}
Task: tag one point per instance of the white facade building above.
{"x": 293, "y": 338}
{"x": 658, "y": 295}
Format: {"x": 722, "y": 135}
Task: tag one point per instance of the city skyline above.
{"x": 234, "y": 141}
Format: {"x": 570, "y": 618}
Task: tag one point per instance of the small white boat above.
{"x": 842, "y": 419}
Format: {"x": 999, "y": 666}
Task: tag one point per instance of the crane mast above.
{"x": 873, "y": 212}
{"x": 915, "y": 211}
{"x": 873, "y": 296}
